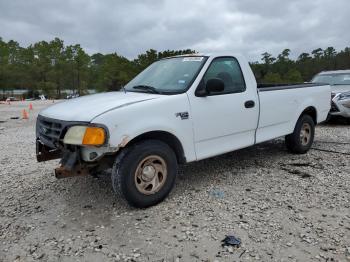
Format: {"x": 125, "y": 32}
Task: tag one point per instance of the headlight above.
{"x": 344, "y": 96}
{"x": 85, "y": 135}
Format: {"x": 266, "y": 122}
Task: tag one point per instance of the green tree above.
{"x": 267, "y": 58}
{"x": 115, "y": 72}
{"x": 343, "y": 59}
{"x": 304, "y": 57}
{"x": 329, "y": 52}
{"x": 4, "y": 53}
{"x": 56, "y": 73}
{"x": 272, "y": 78}
{"x": 94, "y": 70}
{"x": 42, "y": 66}
{"x": 77, "y": 64}
{"x": 284, "y": 56}
{"x": 293, "y": 76}
{"x": 317, "y": 53}
{"x": 304, "y": 65}
{"x": 144, "y": 60}
{"x": 283, "y": 64}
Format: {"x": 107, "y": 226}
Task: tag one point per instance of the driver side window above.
{"x": 228, "y": 70}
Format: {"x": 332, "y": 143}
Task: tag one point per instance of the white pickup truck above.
{"x": 178, "y": 110}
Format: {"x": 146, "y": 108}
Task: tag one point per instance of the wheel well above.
{"x": 311, "y": 111}
{"x": 172, "y": 141}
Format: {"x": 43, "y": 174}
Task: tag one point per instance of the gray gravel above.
{"x": 283, "y": 207}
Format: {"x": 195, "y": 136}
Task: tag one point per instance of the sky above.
{"x": 248, "y": 27}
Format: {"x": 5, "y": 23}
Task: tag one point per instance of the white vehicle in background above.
{"x": 178, "y": 110}
{"x": 339, "y": 81}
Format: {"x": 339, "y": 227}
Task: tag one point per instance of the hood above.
{"x": 86, "y": 108}
{"x": 336, "y": 89}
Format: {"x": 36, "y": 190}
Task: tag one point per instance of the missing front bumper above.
{"x": 71, "y": 163}
{"x": 63, "y": 172}
{"x": 44, "y": 153}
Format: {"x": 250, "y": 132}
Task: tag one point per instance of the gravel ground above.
{"x": 283, "y": 207}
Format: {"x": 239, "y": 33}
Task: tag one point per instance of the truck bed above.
{"x": 280, "y": 110}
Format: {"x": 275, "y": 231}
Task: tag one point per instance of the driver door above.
{"x": 226, "y": 120}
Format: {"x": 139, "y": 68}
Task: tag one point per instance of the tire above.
{"x": 145, "y": 173}
{"x": 300, "y": 141}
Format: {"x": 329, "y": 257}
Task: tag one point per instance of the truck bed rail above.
{"x": 273, "y": 87}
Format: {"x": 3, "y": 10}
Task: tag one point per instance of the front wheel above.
{"x": 300, "y": 141}
{"x": 145, "y": 173}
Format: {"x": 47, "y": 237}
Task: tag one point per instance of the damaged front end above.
{"x": 45, "y": 153}
{"x": 75, "y": 160}
{"x": 71, "y": 165}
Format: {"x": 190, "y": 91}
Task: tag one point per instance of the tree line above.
{"x": 282, "y": 69}
{"x": 53, "y": 67}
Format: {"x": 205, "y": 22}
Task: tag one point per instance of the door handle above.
{"x": 249, "y": 104}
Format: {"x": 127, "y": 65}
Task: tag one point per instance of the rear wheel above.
{"x": 300, "y": 141}
{"x": 145, "y": 173}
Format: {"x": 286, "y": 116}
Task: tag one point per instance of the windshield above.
{"x": 332, "y": 79}
{"x": 168, "y": 76}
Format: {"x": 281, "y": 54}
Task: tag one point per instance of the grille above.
{"x": 49, "y": 131}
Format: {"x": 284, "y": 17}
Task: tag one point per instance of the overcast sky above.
{"x": 249, "y": 27}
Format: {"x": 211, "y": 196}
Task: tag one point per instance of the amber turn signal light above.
{"x": 94, "y": 136}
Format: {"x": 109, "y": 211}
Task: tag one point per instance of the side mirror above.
{"x": 215, "y": 85}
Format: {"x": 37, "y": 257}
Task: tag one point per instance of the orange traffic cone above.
{"x": 24, "y": 114}
{"x": 30, "y": 106}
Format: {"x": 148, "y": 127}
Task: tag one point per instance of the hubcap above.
{"x": 150, "y": 174}
{"x": 305, "y": 134}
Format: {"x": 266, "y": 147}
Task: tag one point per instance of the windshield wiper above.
{"x": 147, "y": 88}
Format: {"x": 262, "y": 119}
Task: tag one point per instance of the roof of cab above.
{"x": 216, "y": 54}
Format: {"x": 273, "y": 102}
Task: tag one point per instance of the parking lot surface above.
{"x": 283, "y": 207}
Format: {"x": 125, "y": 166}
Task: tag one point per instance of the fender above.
{"x": 163, "y": 114}
{"x": 319, "y": 101}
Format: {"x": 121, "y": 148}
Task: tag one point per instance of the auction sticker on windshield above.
{"x": 193, "y": 59}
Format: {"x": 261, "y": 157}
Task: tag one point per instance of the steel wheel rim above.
{"x": 150, "y": 174}
{"x": 305, "y": 134}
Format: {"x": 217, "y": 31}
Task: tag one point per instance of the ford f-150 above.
{"x": 178, "y": 110}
